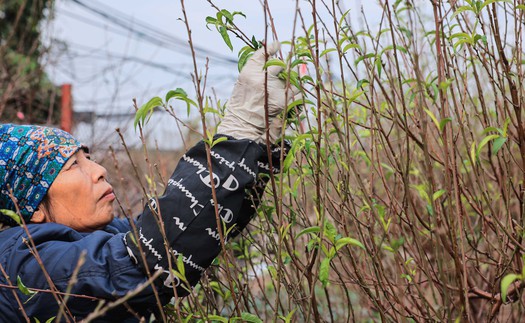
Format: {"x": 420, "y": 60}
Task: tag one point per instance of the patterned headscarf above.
{"x": 30, "y": 159}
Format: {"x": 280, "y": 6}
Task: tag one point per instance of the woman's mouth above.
{"x": 108, "y": 195}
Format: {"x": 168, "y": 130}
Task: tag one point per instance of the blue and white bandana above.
{"x": 30, "y": 159}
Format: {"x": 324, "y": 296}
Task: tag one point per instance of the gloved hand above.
{"x": 245, "y": 111}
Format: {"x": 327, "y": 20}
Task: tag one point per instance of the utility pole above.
{"x": 66, "y": 115}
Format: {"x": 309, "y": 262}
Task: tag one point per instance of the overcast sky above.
{"x": 118, "y": 50}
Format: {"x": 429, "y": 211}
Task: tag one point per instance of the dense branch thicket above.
{"x": 402, "y": 197}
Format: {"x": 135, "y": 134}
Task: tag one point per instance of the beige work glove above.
{"x": 244, "y": 117}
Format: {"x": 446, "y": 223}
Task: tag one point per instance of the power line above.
{"x": 93, "y": 23}
{"x": 134, "y": 59}
{"x": 124, "y": 19}
{"x": 174, "y": 68}
{"x": 149, "y": 33}
{"x": 149, "y": 38}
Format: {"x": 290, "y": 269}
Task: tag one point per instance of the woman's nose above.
{"x": 99, "y": 171}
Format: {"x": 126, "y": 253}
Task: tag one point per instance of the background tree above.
{"x": 26, "y": 94}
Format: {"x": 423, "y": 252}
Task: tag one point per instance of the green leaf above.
{"x": 391, "y": 47}
{"x": 484, "y": 142}
{"x": 348, "y": 241}
{"x": 243, "y": 58}
{"x": 329, "y": 230}
{"x": 444, "y": 85}
{"x": 181, "y": 95}
{"x": 326, "y": 51}
{"x": 324, "y": 270}
{"x": 363, "y": 33}
{"x": 219, "y": 18}
{"x": 397, "y": 243}
{"x": 487, "y": 2}
{"x": 432, "y": 116}
{"x": 12, "y": 215}
{"x": 494, "y": 129}
{"x": 459, "y": 35}
{"x": 297, "y": 61}
{"x": 273, "y": 271}
{"x": 473, "y": 152}
{"x": 175, "y": 94}
{"x": 363, "y": 57}
{"x": 313, "y": 243}
{"x": 430, "y": 210}
{"x": 349, "y": 46}
{"x": 307, "y": 78}
{"x": 314, "y": 229}
{"x": 240, "y": 13}
{"x": 146, "y": 110}
{"x": 343, "y": 17}
{"x": 382, "y": 31}
{"x": 284, "y": 229}
{"x": 479, "y": 37}
{"x": 227, "y": 15}
{"x": 498, "y": 143}
{"x": 180, "y": 265}
{"x": 298, "y": 103}
{"x": 406, "y": 31}
{"x": 218, "y": 318}
{"x": 462, "y": 9}
{"x": 506, "y": 127}
{"x": 225, "y": 37}
{"x": 248, "y": 317}
{"x": 329, "y": 253}
{"x": 256, "y": 45}
{"x": 211, "y": 20}
{"x": 521, "y": 7}
{"x": 443, "y": 123}
{"x": 437, "y": 194}
{"x": 361, "y": 82}
{"x": 434, "y": 88}
{"x": 274, "y": 62}
{"x": 216, "y": 288}
{"x": 379, "y": 66}
{"x": 51, "y": 319}
{"x": 422, "y": 190}
{"x": 459, "y": 43}
{"x": 298, "y": 144}
{"x": 505, "y": 283}
{"x": 289, "y": 316}
{"x": 292, "y": 76}
{"x": 23, "y": 287}
{"x": 218, "y": 140}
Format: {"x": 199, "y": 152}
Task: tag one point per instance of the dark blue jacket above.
{"x": 107, "y": 272}
{"x": 113, "y": 262}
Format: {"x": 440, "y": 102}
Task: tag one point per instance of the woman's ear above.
{"x": 39, "y": 216}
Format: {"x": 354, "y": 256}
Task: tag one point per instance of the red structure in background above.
{"x": 66, "y": 116}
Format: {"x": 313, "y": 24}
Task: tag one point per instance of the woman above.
{"x": 71, "y": 242}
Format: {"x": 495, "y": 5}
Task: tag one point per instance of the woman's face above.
{"x": 80, "y": 197}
